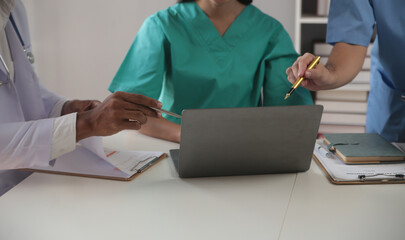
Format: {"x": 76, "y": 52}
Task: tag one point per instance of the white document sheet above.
{"x": 90, "y": 158}
{"x": 340, "y": 171}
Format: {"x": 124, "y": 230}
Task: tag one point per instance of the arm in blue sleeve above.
{"x": 350, "y": 21}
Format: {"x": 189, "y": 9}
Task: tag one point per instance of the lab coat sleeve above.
{"x": 350, "y": 22}
{"x": 281, "y": 55}
{"x": 64, "y": 135}
{"x": 51, "y": 100}
{"x": 144, "y": 66}
{"x": 25, "y": 144}
{"x": 64, "y": 127}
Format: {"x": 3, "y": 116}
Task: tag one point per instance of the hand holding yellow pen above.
{"x": 298, "y": 82}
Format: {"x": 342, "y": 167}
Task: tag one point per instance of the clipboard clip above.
{"x": 384, "y": 177}
{"x": 151, "y": 160}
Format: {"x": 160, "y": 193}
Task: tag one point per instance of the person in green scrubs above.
{"x": 208, "y": 54}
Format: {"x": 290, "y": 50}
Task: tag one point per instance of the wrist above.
{"x": 84, "y": 128}
{"x": 331, "y": 77}
{"x": 65, "y": 110}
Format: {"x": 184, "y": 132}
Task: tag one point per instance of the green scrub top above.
{"x": 179, "y": 57}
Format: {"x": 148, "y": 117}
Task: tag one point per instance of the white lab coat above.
{"x": 25, "y": 129}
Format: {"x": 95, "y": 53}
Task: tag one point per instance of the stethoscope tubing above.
{"x": 7, "y": 70}
{"x": 30, "y": 56}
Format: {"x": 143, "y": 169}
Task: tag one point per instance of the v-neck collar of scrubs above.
{"x": 206, "y": 30}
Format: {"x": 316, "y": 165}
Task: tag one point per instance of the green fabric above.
{"x": 179, "y": 57}
{"x": 355, "y": 145}
{"x": 363, "y": 145}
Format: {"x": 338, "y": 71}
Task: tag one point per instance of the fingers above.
{"x": 305, "y": 83}
{"x": 137, "y": 116}
{"x": 127, "y": 106}
{"x": 117, "y": 112}
{"x": 139, "y": 99}
{"x": 123, "y": 109}
{"x": 299, "y": 69}
{"x": 94, "y": 104}
{"x": 135, "y": 107}
{"x": 137, "y": 102}
{"x": 84, "y": 105}
{"x": 292, "y": 72}
{"x": 294, "y": 68}
{"x": 79, "y": 106}
{"x": 303, "y": 63}
{"x": 132, "y": 125}
{"x": 314, "y": 74}
{"x": 300, "y": 65}
{"x": 290, "y": 75}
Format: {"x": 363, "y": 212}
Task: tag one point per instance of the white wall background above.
{"x": 79, "y": 44}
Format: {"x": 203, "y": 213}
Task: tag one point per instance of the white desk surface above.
{"x": 321, "y": 210}
{"x": 156, "y": 205}
{"x": 160, "y": 205}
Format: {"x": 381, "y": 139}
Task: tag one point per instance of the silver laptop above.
{"x": 239, "y": 141}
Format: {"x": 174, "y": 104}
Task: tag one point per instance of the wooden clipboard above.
{"x": 343, "y": 174}
{"x": 93, "y": 167}
{"x": 332, "y": 180}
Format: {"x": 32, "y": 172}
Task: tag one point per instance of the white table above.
{"x": 321, "y": 210}
{"x": 160, "y": 205}
{"x": 156, "y": 205}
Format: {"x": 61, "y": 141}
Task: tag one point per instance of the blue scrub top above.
{"x": 352, "y": 21}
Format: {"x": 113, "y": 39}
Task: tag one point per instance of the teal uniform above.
{"x": 179, "y": 57}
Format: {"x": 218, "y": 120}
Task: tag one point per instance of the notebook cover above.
{"x": 363, "y": 147}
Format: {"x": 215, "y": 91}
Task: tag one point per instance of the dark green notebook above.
{"x": 362, "y": 148}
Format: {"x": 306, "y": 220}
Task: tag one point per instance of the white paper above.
{"x": 90, "y": 158}
{"x": 95, "y": 145}
{"x": 340, "y": 171}
{"x": 400, "y": 146}
{"x": 131, "y": 162}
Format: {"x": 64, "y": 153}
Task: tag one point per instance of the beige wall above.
{"x": 79, "y": 44}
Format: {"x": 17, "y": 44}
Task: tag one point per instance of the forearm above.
{"x": 344, "y": 63}
{"x": 25, "y": 144}
{"x": 162, "y": 128}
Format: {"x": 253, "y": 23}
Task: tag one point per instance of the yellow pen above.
{"x": 298, "y": 82}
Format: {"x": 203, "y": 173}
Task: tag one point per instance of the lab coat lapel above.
{"x": 25, "y": 80}
{"x": 9, "y": 102}
{"x": 3, "y": 73}
{"x": 5, "y": 8}
{"x": 9, "y": 105}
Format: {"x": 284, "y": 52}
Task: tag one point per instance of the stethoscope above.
{"x": 29, "y": 54}
{"x": 7, "y": 70}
